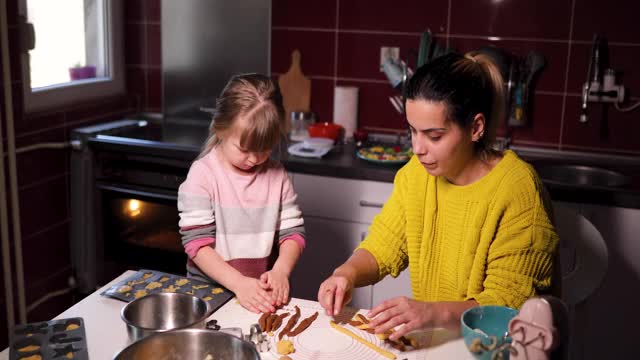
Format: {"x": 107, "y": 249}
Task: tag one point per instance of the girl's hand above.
{"x": 278, "y": 283}
{"x": 334, "y": 293}
{"x": 401, "y": 310}
{"x": 253, "y": 296}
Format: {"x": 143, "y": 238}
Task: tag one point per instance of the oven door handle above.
{"x": 138, "y": 192}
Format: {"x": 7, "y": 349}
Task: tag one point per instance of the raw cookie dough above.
{"x": 182, "y": 282}
{"x": 153, "y": 285}
{"x": 284, "y": 347}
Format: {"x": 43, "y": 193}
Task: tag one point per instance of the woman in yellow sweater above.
{"x": 472, "y": 224}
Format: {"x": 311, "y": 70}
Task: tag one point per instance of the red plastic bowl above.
{"x": 325, "y": 130}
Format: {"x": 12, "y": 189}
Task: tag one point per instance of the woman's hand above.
{"x": 253, "y": 296}
{"x": 334, "y": 293}
{"x": 401, "y": 310}
{"x": 416, "y": 315}
{"x": 278, "y": 283}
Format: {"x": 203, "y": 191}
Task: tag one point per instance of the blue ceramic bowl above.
{"x": 485, "y": 322}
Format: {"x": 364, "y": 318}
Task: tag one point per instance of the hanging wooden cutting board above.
{"x": 295, "y": 88}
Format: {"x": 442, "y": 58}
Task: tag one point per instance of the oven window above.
{"x": 141, "y": 233}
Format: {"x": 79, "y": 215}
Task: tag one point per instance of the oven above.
{"x": 124, "y": 179}
{"x": 137, "y": 228}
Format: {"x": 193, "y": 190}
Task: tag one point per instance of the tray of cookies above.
{"x": 145, "y": 282}
{"x": 55, "y": 339}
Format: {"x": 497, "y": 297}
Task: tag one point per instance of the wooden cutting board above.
{"x": 295, "y": 88}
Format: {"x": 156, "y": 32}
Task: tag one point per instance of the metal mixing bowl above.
{"x": 194, "y": 344}
{"x": 161, "y": 312}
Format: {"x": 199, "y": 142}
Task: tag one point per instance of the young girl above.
{"x": 237, "y": 206}
{"x": 471, "y": 223}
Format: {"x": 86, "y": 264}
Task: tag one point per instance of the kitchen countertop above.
{"x": 106, "y": 332}
{"x": 181, "y": 142}
{"x": 627, "y": 195}
{"x": 342, "y": 162}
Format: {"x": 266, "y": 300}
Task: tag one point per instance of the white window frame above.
{"x": 59, "y": 95}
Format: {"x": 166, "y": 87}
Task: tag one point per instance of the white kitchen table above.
{"x": 106, "y": 332}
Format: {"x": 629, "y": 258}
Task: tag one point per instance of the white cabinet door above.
{"x": 341, "y": 199}
{"x": 329, "y": 244}
{"x": 390, "y": 287}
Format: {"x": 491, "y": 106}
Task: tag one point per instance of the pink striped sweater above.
{"x": 240, "y": 216}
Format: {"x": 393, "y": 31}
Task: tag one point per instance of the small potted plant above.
{"x": 78, "y": 71}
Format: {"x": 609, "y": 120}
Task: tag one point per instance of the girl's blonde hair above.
{"x": 258, "y": 100}
{"x": 468, "y": 85}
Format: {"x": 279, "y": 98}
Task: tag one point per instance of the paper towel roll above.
{"x": 345, "y": 108}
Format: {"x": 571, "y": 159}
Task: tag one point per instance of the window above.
{"x": 77, "y": 54}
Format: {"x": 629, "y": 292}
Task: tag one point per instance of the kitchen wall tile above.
{"x": 15, "y": 56}
{"x": 51, "y": 162}
{"x": 154, "y": 10}
{"x": 12, "y": 12}
{"x": 134, "y": 10}
{"x": 18, "y": 103}
{"x": 54, "y": 306}
{"x": 154, "y": 92}
{"x": 113, "y": 115}
{"x": 39, "y": 121}
{"x": 606, "y": 130}
{"x": 310, "y": 14}
{"x": 2, "y": 83}
{"x": 404, "y": 16}
{"x": 154, "y": 45}
{"x": 374, "y": 107}
{"x": 137, "y": 83}
{"x": 548, "y": 19}
{"x": 43, "y": 205}
{"x": 143, "y": 48}
{"x": 4, "y": 336}
{"x": 135, "y": 44}
{"x": 616, "y": 19}
{"x": 52, "y": 253}
{"x": 543, "y": 126}
{"x": 550, "y": 78}
{"x": 99, "y": 109}
{"x": 359, "y": 54}
{"x": 622, "y": 58}
{"x": 2, "y": 300}
{"x": 579, "y": 57}
{"x": 316, "y": 49}
{"x": 322, "y": 99}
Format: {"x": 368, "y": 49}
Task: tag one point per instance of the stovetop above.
{"x": 175, "y": 138}
{"x": 187, "y": 133}
{"x": 181, "y": 140}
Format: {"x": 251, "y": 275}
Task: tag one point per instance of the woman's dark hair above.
{"x": 467, "y": 85}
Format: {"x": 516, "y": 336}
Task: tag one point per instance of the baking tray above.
{"x": 146, "y": 282}
{"x": 55, "y": 339}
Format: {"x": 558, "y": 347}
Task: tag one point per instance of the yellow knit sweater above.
{"x": 492, "y": 241}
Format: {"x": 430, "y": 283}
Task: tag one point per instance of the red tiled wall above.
{"x": 143, "y": 53}
{"x": 43, "y": 183}
{"x": 340, "y": 43}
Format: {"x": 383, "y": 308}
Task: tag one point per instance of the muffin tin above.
{"x": 55, "y": 339}
{"x": 146, "y": 282}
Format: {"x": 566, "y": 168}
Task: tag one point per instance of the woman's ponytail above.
{"x": 498, "y": 106}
